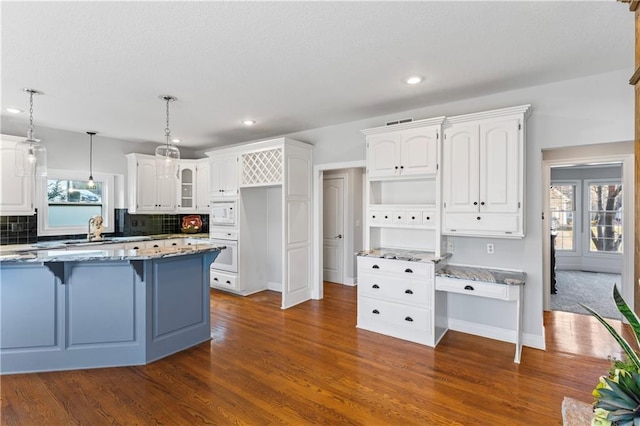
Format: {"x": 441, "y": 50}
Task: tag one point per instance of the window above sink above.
{"x": 66, "y": 203}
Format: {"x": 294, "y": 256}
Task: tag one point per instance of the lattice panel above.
{"x": 262, "y": 167}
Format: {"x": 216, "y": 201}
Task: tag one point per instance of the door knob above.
{"x": 339, "y": 236}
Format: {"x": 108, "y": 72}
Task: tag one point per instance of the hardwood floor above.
{"x": 310, "y": 365}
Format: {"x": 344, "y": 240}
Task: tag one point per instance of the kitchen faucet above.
{"x": 95, "y": 228}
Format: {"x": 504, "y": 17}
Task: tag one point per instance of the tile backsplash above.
{"x": 18, "y": 229}
{"x": 24, "y": 229}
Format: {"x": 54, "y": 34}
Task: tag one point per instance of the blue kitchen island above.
{"x": 73, "y": 309}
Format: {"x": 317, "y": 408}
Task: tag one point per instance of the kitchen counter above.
{"x": 81, "y": 254}
{"x": 403, "y": 254}
{"x": 90, "y": 308}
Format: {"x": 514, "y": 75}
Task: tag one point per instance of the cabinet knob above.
{"x": 399, "y": 217}
{"x": 386, "y": 217}
{"x": 396, "y": 167}
{"x": 375, "y": 286}
{"x": 428, "y": 217}
{"x": 402, "y": 167}
{"x": 373, "y": 217}
{"x": 478, "y": 218}
{"x": 482, "y": 203}
{"x": 375, "y": 311}
{"x": 409, "y": 319}
{"x": 408, "y": 291}
{"x": 413, "y": 217}
{"x": 475, "y": 203}
{"x": 408, "y": 270}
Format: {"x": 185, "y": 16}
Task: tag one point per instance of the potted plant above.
{"x": 618, "y": 394}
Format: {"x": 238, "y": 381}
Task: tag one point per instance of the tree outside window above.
{"x": 605, "y": 217}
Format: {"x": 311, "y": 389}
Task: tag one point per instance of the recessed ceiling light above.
{"x": 414, "y": 79}
{"x": 13, "y": 110}
{"x": 176, "y": 140}
{"x": 248, "y": 122}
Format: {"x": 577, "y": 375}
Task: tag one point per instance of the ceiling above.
{"x": 290, "y": 66}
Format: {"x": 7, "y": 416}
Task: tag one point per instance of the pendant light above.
{"x": 91, "y": 184}
{"x": 167, "y": 155}
{"x": 31, "y": 155}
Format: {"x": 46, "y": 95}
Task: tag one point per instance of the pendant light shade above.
{"x": 91, "y": 183}
{"x": 167, "y": 155}
{"x": 31, "y": 155}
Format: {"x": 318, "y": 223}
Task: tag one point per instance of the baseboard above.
{"x": 274, "y": 286}
{"x": 497, "y": 333}
{"x": 350, "y": 281}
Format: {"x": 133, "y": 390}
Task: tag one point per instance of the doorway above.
{"x": 586, "y": 236}
{"x": 352, "y": 173}
{"x": 581, "y": 233}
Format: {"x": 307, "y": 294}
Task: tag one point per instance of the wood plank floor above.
{"x": 310, "y": 365}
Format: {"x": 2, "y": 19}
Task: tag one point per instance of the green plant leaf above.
{"x": 623, "y": 343}
{"x": 624, "y": 309}
{"x": 620, "y": 392}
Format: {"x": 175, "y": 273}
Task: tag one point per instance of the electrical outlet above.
{"x": 490, "y": 249}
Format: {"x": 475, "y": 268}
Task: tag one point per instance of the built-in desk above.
{"x": 483, "y": 282}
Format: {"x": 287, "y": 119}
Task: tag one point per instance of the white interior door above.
{"x": 333, "y": 229}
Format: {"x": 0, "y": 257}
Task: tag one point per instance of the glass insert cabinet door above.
{"x": 186, "y": 188}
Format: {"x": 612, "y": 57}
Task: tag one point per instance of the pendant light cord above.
{"x": 90, "y": 155}
{"x": 30, "y": 130}
{"x": 167, "y": 131}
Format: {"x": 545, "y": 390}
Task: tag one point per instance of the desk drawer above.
{"x": 476, "y": 288}
{"x": 415, "y": 292}
{"x": 375, "y": 265}
{"x": 374, "y": 311}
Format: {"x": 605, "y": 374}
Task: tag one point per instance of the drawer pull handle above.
{"x": 375, "y": 311}
{"x": 215, "y": 279}
{"x": 409, "y": 319}
{"x": 428, "y": 218}
{"x": 375, "y": 267}
{"x": 399, "y": 217}
{"x": 468, "y": 287}
{"x": 228, "y": 282}
{"x": 413, "y": 217}
{"x": 478, "y": 218}
{"x": 408, "y": 291}
{"x": 408, "y": 270}
{"x": 375, "y": 286}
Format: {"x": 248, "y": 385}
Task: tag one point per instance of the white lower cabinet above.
{"x": 396, "y": 298}
{"x": 224, "y": 280}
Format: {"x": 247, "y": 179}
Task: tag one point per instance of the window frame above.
{"x": 108, "y": 197}
{"x": 577, "y": 214}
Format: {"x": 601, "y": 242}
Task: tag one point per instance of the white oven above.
{"x": 222, "y": 213}
{"x": 227, "y": 259}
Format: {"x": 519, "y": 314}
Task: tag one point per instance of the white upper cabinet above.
{"x": 146, "y": 193}
{"x": 483, "y": 174}
{"x": 402, "y": 150}
{"x": 187, "y": 187}
{"x": 224, "y": 175}
{"x": 16, "y": 196}
{"x": 202, "y": 185}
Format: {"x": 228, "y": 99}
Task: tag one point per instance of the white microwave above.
{"x": 222, "y": 213}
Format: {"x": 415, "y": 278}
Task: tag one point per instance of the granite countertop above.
{"x": 403, "y": 254}
{"x": 489, "y": 275}
{"x": 103, "y": 253}
{"x": 59, "y": 244}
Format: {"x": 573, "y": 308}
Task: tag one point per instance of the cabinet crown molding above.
{"x": 495, "y": 113}
{"x": 402, "y": 126}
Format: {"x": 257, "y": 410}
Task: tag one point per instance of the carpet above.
{"x": 593, "y": 289}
